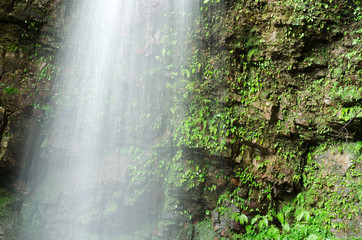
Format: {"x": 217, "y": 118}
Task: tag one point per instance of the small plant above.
{"x": 11, "y": 90}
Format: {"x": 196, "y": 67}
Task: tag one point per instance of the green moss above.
{"x": 6, "y": 202}
{"x": 204, "y": 230}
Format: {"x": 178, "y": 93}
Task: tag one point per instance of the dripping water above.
{"x": 79, "y": 176}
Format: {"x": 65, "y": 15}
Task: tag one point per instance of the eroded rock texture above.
{"x": 274, "y": 82}
{"x": 30, "y": 32}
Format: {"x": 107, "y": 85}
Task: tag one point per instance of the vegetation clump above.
{"x": 268, "y": 89}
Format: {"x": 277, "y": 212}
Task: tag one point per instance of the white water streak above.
{"x": 100, "y": 98}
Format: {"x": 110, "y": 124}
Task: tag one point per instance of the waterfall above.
{"x": 107, "y": 112}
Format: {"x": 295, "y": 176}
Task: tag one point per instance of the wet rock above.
{"x": 2, "y": 116}
{"x": 26, "y": 11}
{"x": 4, "y": 138}
{"x": 2, "y": 232}
{"x": 10, "y": 61}
{"x": 354, "y": 229}
{"x": 4, "y": 7}
{"x": 2, "y": 52}
{"x": 225, "y": 220}
{"x": 335, "y": 161}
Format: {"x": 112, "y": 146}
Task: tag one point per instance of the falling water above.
{"x": 103, "y": 108}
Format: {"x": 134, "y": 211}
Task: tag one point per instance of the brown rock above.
{"x": 10, "y": 61}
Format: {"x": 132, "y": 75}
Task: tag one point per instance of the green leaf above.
{"x": 286, "y": 227}
{"x": 187, "y": 72}
{"x": 263, "y": 223}
{"x": 273, "y": 233}
{"x": 243, "y": 219}
{"x": 303, "y": 215}
{"x": 255, "y": 219}
{"x": 280, "y": 217}
{"x": 248, "y": 229}
{"x": 312, "y": 237}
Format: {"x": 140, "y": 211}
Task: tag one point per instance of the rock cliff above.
{"x": 270, "y": 126}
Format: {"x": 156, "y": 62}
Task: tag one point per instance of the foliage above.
{"x": 312, "y": 214}
{"x": 310, "y": 11}
{"x": 204, "y": 230}
{"x": 229, "y": 80}
{"x": 10, "y": 90}
{"x": 6, "y": 202}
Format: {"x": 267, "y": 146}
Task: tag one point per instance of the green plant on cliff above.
{"x": 337, "y": 195}
{"x": 330, "y": 201}
{"x": 239, "y": 97}
{"x": 6, "y": 201}
{"x": 345, "y": 91}
{"x": 311, "y": 11}
{"x": 10, "y": 90}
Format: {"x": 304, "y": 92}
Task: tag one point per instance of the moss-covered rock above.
{"x": 273, "y": 81}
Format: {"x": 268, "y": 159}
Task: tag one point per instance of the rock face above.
{"x": 274, "y": 81}
{"x": 29, "y": 34}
